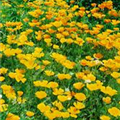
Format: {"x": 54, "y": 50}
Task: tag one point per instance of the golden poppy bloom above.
{"x": 104, "y": 117}
{"x": 80, "y": 96}
{"x": 114, "y": 111}
{"x": 11, "y": 116}
{"x": 30, "y": 113}
{"x": 40, "y": 94}
{"x": 107, "y": 100}
{"x": 78, "y": 85}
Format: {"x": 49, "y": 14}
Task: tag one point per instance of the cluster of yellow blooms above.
{"x": 63, "y": 60}
{"x": 29, "y": 59}
{"x": 18, "y": 75}
{"x": 57, "y": 64}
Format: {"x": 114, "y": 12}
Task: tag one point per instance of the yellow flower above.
{"x": 57, "y": 23}
{"x": 3, "y": 106}
{"x": 3, "y": 70}
{"x": 43, "y": 108}
{"x": 2, "y": 101}
{"x": 108, "y": 90}
{"x": 46, "y": 62}
{"x": 55, "y": 46}
{"x": 68, "y": 64}
{"x": 8, "y": 91}
{"x": 29, "y": 59}
{"x": 62, "y": 98}
{"x": 104, "y": 117}
{"x": 115, "y": 75}
{"x": 2, "y": 47}
{"x": 20, "y": 93}
{"x": 9, "y": 52}
{"x": 58, "y": 91}
{"x": 64, "y": 76}
{"x": 36, "y": 13}
{"x": 79, "y": 41}
{"x": 43, "y": 83}
{"x": 48, "y": 41}
{"x": 107, "y": 100}
{"x": 30, "y": 113}
{"x": 20, "y": 100}
{"x": 40, "y": 94}
{"x": 80, "y": 75}
{"x": 25, "y": 19}
{"x": 92, "y": 87}
{"x": 78, "y": 85}
{"x": 88, "y": 57}
{"x": 65, "y": 114}
{"x": 52, "y": 115}
{"x": 1, "y": 25}
{"x": 118, "y": 81}
{"x": 49, "y": 73}
{"x": 114, "y": 111}
{"x": 73, "y": 111}
{"x": 18, "y": 75}
{"x": 52, "y": 85}
{"x": 95, "y": 86}
{"x": 58, "y": 105}
{"x": 11, "y": 116}
{"x": 62, "y": 40}
{"x": 63, "y": 60}
{"x": 79, "y": 105}
{"x": 2, "y": 78}
{"x": 80, "y": 96}
{"x": 90, "y": 77}
{"x": 37, "y": 67}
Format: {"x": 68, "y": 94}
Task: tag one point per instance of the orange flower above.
{"x": 93, "y": 4}
{"x": 20, "y": 93}
{"x": 98, "y": 55}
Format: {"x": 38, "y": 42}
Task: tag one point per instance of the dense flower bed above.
{"x": 59, "y": 61}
